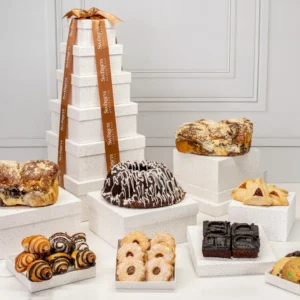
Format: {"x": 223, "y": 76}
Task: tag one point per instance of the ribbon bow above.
{"x": 93, "y": 14}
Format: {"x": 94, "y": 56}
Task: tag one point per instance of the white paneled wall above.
{"x": 190, "y": 59}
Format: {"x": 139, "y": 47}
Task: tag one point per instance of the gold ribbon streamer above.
{"x": 104, "y": 85}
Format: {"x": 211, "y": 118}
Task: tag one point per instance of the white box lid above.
{"x": 81, "y": 150}
{"x": 141, "y": 217}
{"x": 93, "y": 113}
{"x": 66, "y": 205}
{"x": 84, "y": 81}
{"x": 80, "y": 188}
{"x": 115, "y": 49}
{"x": 87, "y": 24}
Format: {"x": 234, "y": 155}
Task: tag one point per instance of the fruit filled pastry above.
{"x": 142, "y": 259}
{"x": 257, "y": 193}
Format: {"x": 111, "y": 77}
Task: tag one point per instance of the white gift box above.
{"x": 87, "y": 161}
{"x": 57, "y": 280}
{"x": 144, "y": 285}
{"x": 213, "y": 266}
{"x": 282, "y": 283}
{"x": 80, "y": 190}
{"x": 277, "y": 221}
{"x": 85, "y": 124}
{"x": 18, "y": 222}
{"x": 85, "y": 35}
{"x": 216, "y": 174}
{"x": 112, "y": 222}
{"x": 84, "y": 59}
{"x": 85, "y": 92}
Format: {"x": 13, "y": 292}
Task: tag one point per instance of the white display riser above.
{"x": 216, "y": 174}
{"x": 19, "y": 222}
{"x": 206, "y": 194}
{"x": 85, "y": 124}
{"x": 112, "y": 223}
{"x": 87, "y": 161}
{"x": 85, "y": 94}
{"x": 277, "y": 221}
{"x": 80, "y": 190}
{"x": 84, "y": 63}
{"x": 211, "y": 208}
{"x": 85, "y": 35}
{"x": 213, "y": 266}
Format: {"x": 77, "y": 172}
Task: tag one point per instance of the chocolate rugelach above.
{"x": 216, "y": 239}
{"x": 245, "y": 240}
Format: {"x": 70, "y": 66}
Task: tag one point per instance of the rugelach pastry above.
{"x": 33, "y": 183}
{"x": 39, "y": 271}
{"x": 230, "y": 137}
{"x": 245, "y": 240}
{"x": 79, "y": 241}
{"x": 146, "y": 184}
{"x": 83, "y": 259}
{"x": 216, "y": 239}
{"x": 37, "y": 244}
{"x": 61, "y": 242}
{"x": 59, "y": 262}
{"x": 23, "y": 260}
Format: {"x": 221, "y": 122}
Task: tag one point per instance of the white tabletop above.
{"x": 189, "y": 286}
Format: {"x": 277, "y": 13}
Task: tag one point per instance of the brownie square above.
{"x": 245, "y": 240}
{"x": 216, "y": 239}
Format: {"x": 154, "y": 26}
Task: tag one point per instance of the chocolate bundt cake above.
{"x": 146, "y": 184}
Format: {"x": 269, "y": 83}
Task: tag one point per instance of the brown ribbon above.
{"x": 104, "y": 86}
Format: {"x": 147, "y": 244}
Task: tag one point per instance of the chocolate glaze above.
{"x": 217, "y": 228}
{"x": 147, "y": 184}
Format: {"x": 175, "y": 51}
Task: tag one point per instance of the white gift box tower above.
{"x": 211, "y": 179}
{"x": 85, "y": 154}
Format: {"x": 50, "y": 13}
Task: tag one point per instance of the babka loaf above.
{"x": 225, "y": 138}
{"x": 33, "y": 183}
{"x": 147, "y": 184}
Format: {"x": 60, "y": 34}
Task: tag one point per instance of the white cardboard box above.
{"x": 282, "y": 283}
{"x": 214, "y": 197}
{"x": 277, "y": 221}
{"x": 57, "y": 280}
{"x": 85, "y": 92}
{"x": 111, "y": 222}
{"x": 216, "y": 174}
{"x": 87, "y": 161}
{"x": 85, "y": 35}
{"x": 80, "y": 190}
{"x": 85, "y": 124}
{"x": 84, "y": 63}
{"x": 213, "y": 266}
{"x": 144, "y": 285}
{"x": 18, "y": 222}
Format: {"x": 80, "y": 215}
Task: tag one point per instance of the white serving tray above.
{"x": 282, "y": 283}
{"x": 144, "y": 285}
{"x": 210, "y": 266}
{"x": 55, "y": 281}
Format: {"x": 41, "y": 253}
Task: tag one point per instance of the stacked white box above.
{"x": 211, "y": 179}
{"x": 85, "y": 151}
{"x": 112, "y": 222}
{"x": 18, "y": 222}
{"x": 277, "y": 221}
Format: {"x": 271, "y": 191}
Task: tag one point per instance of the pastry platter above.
{"x": 211, "y": 266}
{"x": 57, "y": 280}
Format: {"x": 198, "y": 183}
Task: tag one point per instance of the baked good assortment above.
{"x": 44, "y": 258}
{"x": 146, "y": 184}
{"x": 223, "y": 240}
{"x": 288, "y": 267}
{"x": 33, "y": 183}
{"x": 229, "y": 137}
{"x": 258, "y": 193}
{"x": 141, "y": 259}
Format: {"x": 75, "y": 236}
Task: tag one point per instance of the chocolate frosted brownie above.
{"x": 245, "y": 240}
{"x": 216, "y": 239}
